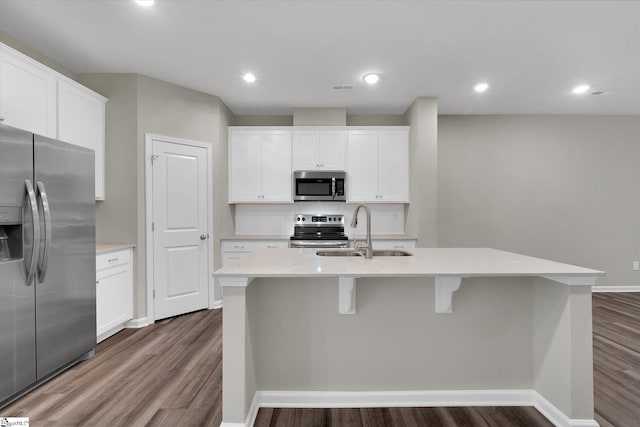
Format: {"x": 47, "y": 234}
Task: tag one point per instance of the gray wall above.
{"x": 138, "y": 105}
{"x": 263, "y": 121}
{"x": 304, "y": 344}
{"x": 170, "y": 110}
{"x": 352, "y": 120}
{"x": 35, "y": 54}
{"x": 421, "y": 213}
{"x": 557, "y": 187}
{"x": 116, "y": 216}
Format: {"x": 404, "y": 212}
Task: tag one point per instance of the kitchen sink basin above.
{"x": 376, "y": 252}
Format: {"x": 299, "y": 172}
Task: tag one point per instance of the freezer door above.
{"x": 17, "y": 297}
{"x": 66, "y": 278}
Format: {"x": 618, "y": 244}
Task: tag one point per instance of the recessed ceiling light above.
{"x": 249, "y": 78}
{"x": 481, "y": 87}
{"x": 582, "y": 89}
{"x": 145, "y": 3}
{"x": 371, "y": 78}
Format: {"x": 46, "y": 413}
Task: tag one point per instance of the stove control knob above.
{"x": 303, "y": 218}
{"x": 298, "y": 219}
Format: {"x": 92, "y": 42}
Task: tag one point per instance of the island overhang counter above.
{"x": 516, "y": 332}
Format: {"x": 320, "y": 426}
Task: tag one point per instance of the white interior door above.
{"x": 180, "y": 232}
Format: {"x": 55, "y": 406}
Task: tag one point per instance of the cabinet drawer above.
{"x": 112, "y": 259}
{"x": 252, "y": 245}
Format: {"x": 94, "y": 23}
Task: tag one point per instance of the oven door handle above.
{"x": 333, "y": 187}
{"x": 318, "y": 244}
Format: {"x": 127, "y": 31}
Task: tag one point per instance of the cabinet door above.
{"x": 111, "y": 298}
{"x": 276, "y": 166}
{"x": 27, "y": 94}
{"x": 332, "y": 148}
{"x": 362, "y": 166}
{"x": 394, "y": 166}
{"x": 244, "y": 167}
{"x": 81, "y": 122}
{"x": 305, "y": 150}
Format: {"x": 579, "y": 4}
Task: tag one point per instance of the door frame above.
{"x": 148, "y": 189}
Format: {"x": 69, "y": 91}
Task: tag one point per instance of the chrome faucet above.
{"x": 368, "y": 248}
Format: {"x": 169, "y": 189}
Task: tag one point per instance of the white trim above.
{"x": 615, "y": 289}
{"x": 391, "y": 399}
{"x": 216, "y": 304}
{"x": 251, "y": 416}
{"x": 556, "y": 416}
{"x": 106, "y": 334}
{"x": 388, "y": 399}
{"x": 148, "y": 150}
{"x": 253, "y": 410}
{"x": 140, "y": 322}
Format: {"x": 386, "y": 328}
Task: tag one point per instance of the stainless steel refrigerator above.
{"x": 47, "y": 259}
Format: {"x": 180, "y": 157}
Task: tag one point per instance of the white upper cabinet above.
{"x": 27, "y": 94}
{"x": 378, "y": 166}
{"x": 362, "y": 169}
{"x": 259, "y": 166}
{"x": 81, "y": 122}
{"x": 38, "y": 99}
{"x": 319, "y": 150}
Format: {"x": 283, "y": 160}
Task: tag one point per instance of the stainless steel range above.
{"x": 318, "y": 231}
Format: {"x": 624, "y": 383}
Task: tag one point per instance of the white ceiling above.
{"x": 532, "y": 53}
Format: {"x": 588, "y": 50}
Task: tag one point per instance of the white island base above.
{"x": 516, "y": 332}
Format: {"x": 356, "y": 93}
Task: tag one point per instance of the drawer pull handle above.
{"x": 112, "y": 260}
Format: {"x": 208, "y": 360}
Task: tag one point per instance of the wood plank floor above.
{"x": 616, "y": 358}
{"x": 170, "y": 373}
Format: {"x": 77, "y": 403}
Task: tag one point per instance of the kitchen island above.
{"x": 443, "y": 327}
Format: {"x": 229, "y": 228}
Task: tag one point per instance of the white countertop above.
{"x": 257, "y": 237}
{"x": 105, "y": 248}
{"x": 429, "y": 262}
{"x": 286, "y": 237}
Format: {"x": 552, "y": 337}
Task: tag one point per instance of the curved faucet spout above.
{"x": 368, "y": 248}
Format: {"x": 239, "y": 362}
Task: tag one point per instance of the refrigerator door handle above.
{"x": 44, "y": 259}
{"x": 31, "y": 196}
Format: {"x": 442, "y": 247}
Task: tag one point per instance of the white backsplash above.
{"x": 278, "y": 219}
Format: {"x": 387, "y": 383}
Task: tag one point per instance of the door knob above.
{"x": 204, "y": 236}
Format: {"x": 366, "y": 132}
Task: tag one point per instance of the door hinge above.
{"x": 153, "y": 158}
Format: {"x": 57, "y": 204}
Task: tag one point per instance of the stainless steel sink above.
{"x": 376, "y": 252}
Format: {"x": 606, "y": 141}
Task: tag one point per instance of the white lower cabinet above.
{"x": 114, "y": 292}
{"x": 394, "y": 244}
{"x": 235, "y": 249}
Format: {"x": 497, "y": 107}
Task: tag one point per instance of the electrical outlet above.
{"x": 636, "y": 265}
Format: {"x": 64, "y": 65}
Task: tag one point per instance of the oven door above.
{"x": 318, "y": 244}
{"x": 310, "y": 189}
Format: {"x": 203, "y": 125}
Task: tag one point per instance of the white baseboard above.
{"x": 615, "y": 289}
{"x": 140, "y": 322}
{"x": 251, "y": 416}
{"x": 556, "y": 416}
{"x": 103, "y": 336}
{"x": 387, "y": 399}
{"x": 216, "y": 304}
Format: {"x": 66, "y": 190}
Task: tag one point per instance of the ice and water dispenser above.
{"x": 10, "y": 233}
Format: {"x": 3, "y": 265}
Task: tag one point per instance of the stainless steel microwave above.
{"x": 319, "y": 186}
